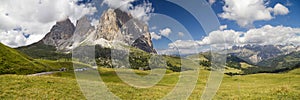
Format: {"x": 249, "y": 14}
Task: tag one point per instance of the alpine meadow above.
{"x": 149, "y": 49}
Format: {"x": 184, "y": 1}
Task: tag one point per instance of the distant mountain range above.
{"x": 256, "y": 53}
{"x": 250, "y": 59}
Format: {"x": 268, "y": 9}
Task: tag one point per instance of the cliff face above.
{"x": 114, "y": 25}
{"x": 60, "y": 34}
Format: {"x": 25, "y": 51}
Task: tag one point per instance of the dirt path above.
{"x": 43, "y": 73}
{"x": 52, "y": 72}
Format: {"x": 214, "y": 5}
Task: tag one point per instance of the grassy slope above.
{"x": 41, "y": 51}
{"x": 13, "y": 62}
{"x": 256, "y": 86}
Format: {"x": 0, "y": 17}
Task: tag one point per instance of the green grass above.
{"x": 284, "y": 86}
{"x": 257, "y": 86}
{"x": 13, "y": 62}
{"x": 24, "y": 88}
{"x": 41, "y": 51}
{"x": 63, "y": 85}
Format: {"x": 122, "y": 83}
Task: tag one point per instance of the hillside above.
{"x": 13, "y": 62}
{"x": 282, "y": 63}
{"x": 135, "y": 59}
{"x": 238, "y": 66}
{"x": 279, "y": 64}
{"x": 40, "y": 50}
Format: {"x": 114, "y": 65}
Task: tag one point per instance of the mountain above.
{"x": 274, "y": 59}
{"x": 83, "y": 29}
{"x": 115, "y": 26}
{"x": 282, "y": 63}
{"x": 60, "y": 35}
{"x": 118, "y": 26}
{"x": 59, "y": 41}
{"x": 40, "y": 50}
{"x": 55, "y": 44}
{"x": 256, "y": 53}
{"x": 289, "y": 61}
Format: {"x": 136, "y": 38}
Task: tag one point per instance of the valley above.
{"x": 46, "y": 69}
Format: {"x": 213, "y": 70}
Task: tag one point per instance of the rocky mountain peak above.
{"x": 116, "y": 25}
{"x": 122, "y": 17}
{"x": 83, "y": 25}
{"x": 60, "y": 33}
{"x": 83, "y": 28}
{"x": 108, "y": 27}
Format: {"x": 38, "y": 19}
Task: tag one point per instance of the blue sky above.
{"x": 174, "y": 24}
{"x": 286, "y": 20}
{"x": 168, "y": 15}
{"x": 196, "y": 31}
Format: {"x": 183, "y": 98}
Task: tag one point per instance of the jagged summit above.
{"x": 114, "y": 25}
{"x": 118, "y": 25}
{"x": 60, "y": 34}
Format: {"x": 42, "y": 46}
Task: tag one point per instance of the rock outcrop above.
{"x": 60, "y": 35}
{"x": 114, "y": 25}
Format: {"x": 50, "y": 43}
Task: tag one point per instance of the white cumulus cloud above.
{"x": 183, "y": 47}
{"x": 141, "y": 12}
{"x": 245, "y": 12}
{"x": 181, "y": 34}
{"x": 35, "y": 17}
{"x": 124, "y": 5}
{"x": 219, "y": 37}
{"x": 165, "y": 32}
{"x": 183, "y": 44}
{"x": 266, "y": 35}
{"x": 223, "y": 27}
{"x": 279, "y": 9}
{"x": 155, "y": 36}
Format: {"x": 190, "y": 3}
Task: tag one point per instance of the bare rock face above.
{"x": 116, "y": 25}
{"x": 108, "y": 27}
{"x": 83, "y": 29}
{"x": 144, "y": 44}
{"x": 83, "y": 25}
{"x": 60, "y": 34}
